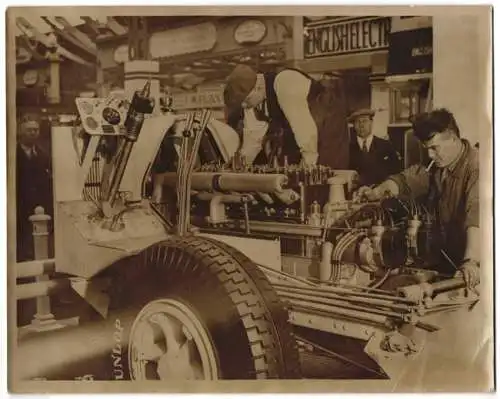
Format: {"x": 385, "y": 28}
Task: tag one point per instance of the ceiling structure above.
{"x": 77, "y": 39}
{"x": 73, "y": 39}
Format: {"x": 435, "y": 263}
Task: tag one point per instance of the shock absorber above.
{"x": 141, "y": 105}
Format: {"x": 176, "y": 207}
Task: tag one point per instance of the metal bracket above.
{"x": 93, "y": 292}
{"x": 394, "y": 363}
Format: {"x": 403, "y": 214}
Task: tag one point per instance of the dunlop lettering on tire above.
{"x": 245, "y": 319}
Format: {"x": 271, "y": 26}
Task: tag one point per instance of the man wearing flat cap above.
{"x": 293, "y": 106}
{"x": 372, "y": 157}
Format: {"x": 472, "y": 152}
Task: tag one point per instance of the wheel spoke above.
{"x": 172, "y": 331}
{"x": 171, "y": 341}
{"x": 146, "y": 343}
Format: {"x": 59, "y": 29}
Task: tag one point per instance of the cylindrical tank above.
{"x": 241, "y": 182}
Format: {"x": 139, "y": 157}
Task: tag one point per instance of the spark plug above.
{"x": 411, "y": 237}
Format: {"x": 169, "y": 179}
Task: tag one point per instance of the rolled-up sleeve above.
{"x": 292, "y": 89}
{"x": 413, "y": 181}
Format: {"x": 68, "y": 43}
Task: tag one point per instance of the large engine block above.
{"x": 323, "y": 233}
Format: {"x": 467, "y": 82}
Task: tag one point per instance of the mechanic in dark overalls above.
{"x": 450, "y": 186}
{"x": 293, "y": 112}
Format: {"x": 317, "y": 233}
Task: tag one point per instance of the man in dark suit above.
{"x": 33, "y": 183}
{"x": 372, "y": 157}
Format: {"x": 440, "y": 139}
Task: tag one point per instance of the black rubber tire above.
{"x": 246, "y": 320}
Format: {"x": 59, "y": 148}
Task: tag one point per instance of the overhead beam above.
{"x": 92, "y": 25}
{"x": 117, "y": 28}
{"x": 50, "y": 41}
{"x": 27, "y": 28}
{"x": 26, "y": 43}
{"x": 71, "y": 38}
{"x": 81, "y": 37}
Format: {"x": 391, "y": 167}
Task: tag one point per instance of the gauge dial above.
{"x": 111, "y": 115}
{"x": 87, "y": 107}
{"x": 91, "y": 123}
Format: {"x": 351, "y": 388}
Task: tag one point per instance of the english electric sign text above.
{"x": 353, "y": 36}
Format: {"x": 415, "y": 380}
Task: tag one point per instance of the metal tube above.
{"x": 344, "y": 291}
{"x": 418, "y": 291}
{"x": 35, "y": 268}
{"x": 369, "y": 301}
{"x": 336, "y": 303}
{"x": 447, "y": 285}
{"x": 120, "y": 171}
{"x": 285, "y": 276}
{"x": 225, "y": 198}
{"x": 331, "y": 310}
{"x": 302, "y": 202}
{"x": 182, "y": 187}
{"x": 282, "y": 228}
{"x": 247, "y": 218}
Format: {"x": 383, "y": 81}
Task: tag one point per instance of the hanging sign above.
{"x": 346, "y": 37}
{"x": 186, "y": 40}
{"x": 202, "y": 99}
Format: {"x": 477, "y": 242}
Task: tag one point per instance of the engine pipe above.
{"x": 417, "y": 292}
{"x": 228, "y": 181}
{"x": 217, "y": 201}
{"x": 325, "y": 266}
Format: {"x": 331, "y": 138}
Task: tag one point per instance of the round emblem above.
{"x": 250, "y": 31}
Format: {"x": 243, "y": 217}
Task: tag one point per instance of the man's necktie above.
{"x": 365, "y": 146}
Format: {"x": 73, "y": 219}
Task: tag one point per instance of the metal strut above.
{"x": 187, "y": 161}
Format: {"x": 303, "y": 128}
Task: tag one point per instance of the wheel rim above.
{"x": 168, "y": 342}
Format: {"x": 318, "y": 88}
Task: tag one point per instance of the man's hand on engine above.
{"x": 470, "y": 272}
{"x": 365, "y": 192}
{"x": 386, "y": 188}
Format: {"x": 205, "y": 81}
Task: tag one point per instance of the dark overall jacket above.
{"x": 328, "y": 109}
{"x": 453, "y": 200}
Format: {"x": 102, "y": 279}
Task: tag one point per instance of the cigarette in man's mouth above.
{"x": 429, "y": 166}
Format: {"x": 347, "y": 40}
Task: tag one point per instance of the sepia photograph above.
{"x": 207, "y": 196}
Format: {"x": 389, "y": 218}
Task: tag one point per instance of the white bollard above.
{"x": 44, "y": 320}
